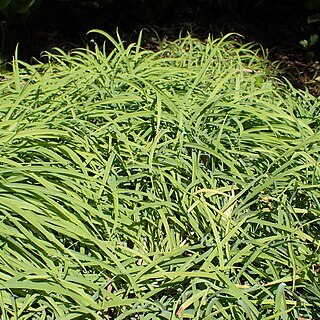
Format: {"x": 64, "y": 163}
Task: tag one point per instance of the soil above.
{"x": 279, "y": 28}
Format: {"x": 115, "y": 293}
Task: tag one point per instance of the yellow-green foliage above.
{"x": 179, "y": 184}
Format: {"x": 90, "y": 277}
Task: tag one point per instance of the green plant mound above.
{"x": 178, "y": 184}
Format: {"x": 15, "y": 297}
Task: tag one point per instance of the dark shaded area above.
{"x": 278, "y": 26}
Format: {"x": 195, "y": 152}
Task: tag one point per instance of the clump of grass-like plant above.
{"x": 179, "y": 184}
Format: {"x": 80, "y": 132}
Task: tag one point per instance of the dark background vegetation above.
{"x": 279, "y": 26}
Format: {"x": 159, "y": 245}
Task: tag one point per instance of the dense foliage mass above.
{"x": 178, "y": 184}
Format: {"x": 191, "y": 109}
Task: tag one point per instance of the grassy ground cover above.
{"x": 179, "y": 184}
